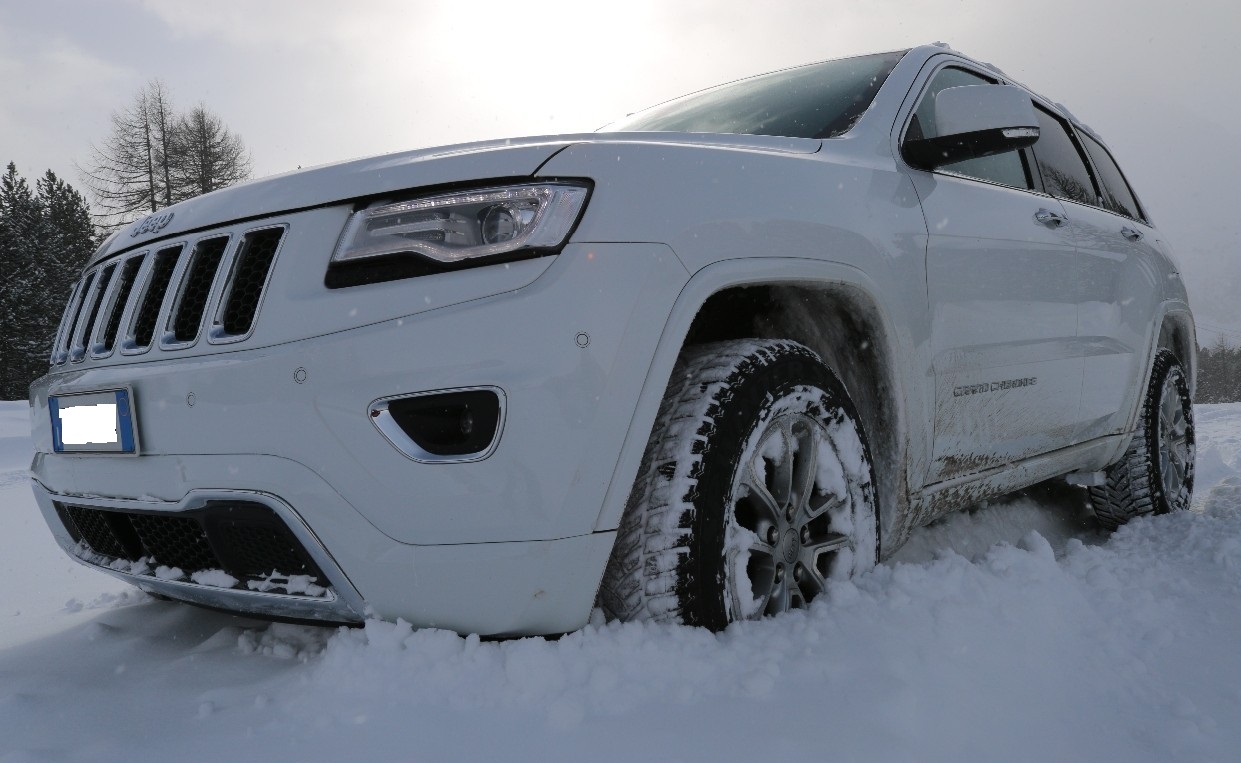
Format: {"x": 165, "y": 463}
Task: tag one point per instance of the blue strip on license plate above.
{"x": 93, "y": 422}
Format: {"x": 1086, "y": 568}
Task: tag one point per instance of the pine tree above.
{"x": 1219, "y": 373}
{"x": 68, "y": 239}
{"x": 21, "y": 218}
{"x": 45, "y": 238}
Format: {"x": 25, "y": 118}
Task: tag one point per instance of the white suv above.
{"x": 689, "y": 368}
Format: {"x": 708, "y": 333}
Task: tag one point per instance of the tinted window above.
{"x": 1061, "y": 164}
{"x": 1117, "y": 197}
{"x": 1006, "y": 168}
{"x": 815, "y": 101}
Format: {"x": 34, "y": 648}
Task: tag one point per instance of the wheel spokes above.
{"x": 795, "y": 522}
{"x": 761, "y": 571}
{"x": 757, "y": 510}
{"x": 1170, "y": 404}
{"x": 780, "y": 597}
{"x": 776, "y": 451}
{"x": 1174, "y": 434}
{"x": 822, "y": 554}
{"x": 806, "y": 464}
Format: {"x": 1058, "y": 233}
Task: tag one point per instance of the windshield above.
{"x": 814, "y": 101}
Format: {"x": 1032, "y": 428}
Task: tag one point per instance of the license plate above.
{"x": 93, "y": 422}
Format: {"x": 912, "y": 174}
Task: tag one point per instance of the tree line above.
{"x": 1219, "y": 373}
{"x": 46, "y": 236}
{"x": 154, "y": 156}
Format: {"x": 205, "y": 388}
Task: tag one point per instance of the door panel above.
{"x": 1119, "y": 289}
{"x": 1003, "y": 324}
{"x": 1117, "y": 293}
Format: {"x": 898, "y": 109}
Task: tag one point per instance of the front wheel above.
{"x": 1157, "y": 473}
{"x": 756, "y": 490}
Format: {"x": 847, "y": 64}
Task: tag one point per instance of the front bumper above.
{"x": 517, "y": 588}
{"x": 337, "y": 602}
{"x": 505, "y": 545}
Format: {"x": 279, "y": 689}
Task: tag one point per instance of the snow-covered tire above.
{"x": 1156, "y": 474}
{"x": 755, "y": 488}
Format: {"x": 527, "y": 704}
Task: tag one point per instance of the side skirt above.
{"x": 940, "y": 498}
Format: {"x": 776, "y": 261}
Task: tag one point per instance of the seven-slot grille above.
{"x": 161, "y": 296}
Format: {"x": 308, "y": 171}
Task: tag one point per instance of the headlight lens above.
{"x": 456, "y": 227}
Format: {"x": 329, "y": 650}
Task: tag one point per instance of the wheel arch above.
{"x": 1175, "y": 332}
{"x": 829, "y": 307}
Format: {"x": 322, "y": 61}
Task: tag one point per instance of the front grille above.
{"x": 174, "y": 541}
{"x": 258, "y": 249}
{"x": 255, "y": 549}
{"x": 129, "y": 272}
{"x": 196, "y": 288}
{"x": 106, "y": 533}
{"x": 101, "y": 291}
{"x": 246, "y": 540}
{"x": 153, "y": 295}
{"x": 80, "y": 298}
{"x": 137, "y": 284}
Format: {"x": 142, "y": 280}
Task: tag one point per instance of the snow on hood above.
{"x": 391, "y": 173}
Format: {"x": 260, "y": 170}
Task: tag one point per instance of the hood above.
{"x": 392, "y": 173}
{"x": 331, "y": 183}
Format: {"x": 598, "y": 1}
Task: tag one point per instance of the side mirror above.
{"x": 974, "y": 121}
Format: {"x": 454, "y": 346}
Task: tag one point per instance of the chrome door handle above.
{"x": 1049, "y": 218}
{"x": 1131, "y": 234}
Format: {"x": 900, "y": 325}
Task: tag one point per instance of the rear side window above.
{"x": 1006, "y": 169}
{"x": 1117, "y": 196}
{"x": 1061, "y": 164}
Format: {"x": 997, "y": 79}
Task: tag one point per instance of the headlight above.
{"x": 438, "y": 233}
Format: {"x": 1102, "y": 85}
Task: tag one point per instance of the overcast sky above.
{"x": 311, "y": 82}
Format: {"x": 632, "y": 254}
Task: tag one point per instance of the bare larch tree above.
{"x": 155, "y": 157}
{"x": 206, "y": 155}
{"x": 129, "y": 173}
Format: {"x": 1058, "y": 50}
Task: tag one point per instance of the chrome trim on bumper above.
{"x": 341, "y": 604}
{"x": 392, "y": 432}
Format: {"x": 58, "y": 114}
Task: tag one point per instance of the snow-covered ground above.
{"x": 1015, "y": 632}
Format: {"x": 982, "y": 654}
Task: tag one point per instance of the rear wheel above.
{"x": 756, "y": 490}
{"x": 1157, "y": 473}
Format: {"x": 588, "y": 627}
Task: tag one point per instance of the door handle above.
{"x": 1131, "y": 234}
{"x": 1049, "y": 218}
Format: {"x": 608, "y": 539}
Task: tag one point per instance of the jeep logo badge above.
{"x": 152, "y": 224}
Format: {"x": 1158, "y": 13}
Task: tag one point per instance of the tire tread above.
{"x": 640, "y": 581}
{"x": 1132, "y": 488}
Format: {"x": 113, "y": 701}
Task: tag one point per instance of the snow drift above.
{"x": 1016, "y": 631}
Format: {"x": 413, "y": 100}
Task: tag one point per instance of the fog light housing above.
{"x": 443, "y": 426}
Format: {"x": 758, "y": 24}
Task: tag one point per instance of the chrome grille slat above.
{"x": 97, "y": 299}
{"x": 246, "y": 283}
{"x": 147, "y": 317}
{"x": 75, "y": 327}
{"x": 106, "y": 341}
{"x": 59, "y": 354}
{"x": 196, "y": 285}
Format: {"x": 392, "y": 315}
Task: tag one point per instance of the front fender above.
{"x": 897, "y": 355}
